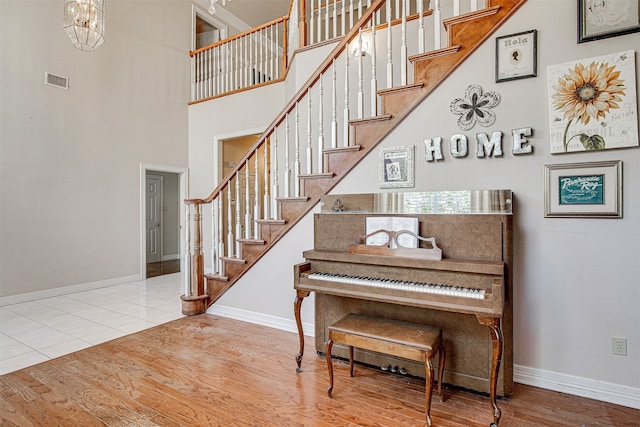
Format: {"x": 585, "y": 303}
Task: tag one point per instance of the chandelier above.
{"x": 84, "y": 23}
{"x": 212, "y": 9}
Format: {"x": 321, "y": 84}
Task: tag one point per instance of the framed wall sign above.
{"x": 396, "y": 167}
{"x": 516, "y": 56}
{"x": 598, "y": 19}
{"x": 592, "y": 189}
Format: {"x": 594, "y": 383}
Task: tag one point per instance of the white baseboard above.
{"x": 64, "y": 290}
{"x": 262, "y": 319}
{"x": 577, "y": 386}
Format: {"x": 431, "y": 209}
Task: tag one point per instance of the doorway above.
{"x": 162, "y": 219}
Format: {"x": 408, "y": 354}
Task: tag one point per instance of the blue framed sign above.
{"x": 592, "y": 189}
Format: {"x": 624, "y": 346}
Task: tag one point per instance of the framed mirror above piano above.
{"x": 473, "y": 229}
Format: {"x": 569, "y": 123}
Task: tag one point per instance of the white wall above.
{"x": 575, "y": 280}
{"x": 70, "y": 160}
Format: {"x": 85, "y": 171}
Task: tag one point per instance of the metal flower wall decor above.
{"x": 475, "y": 107}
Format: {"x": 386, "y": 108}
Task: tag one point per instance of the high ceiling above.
{"x": 254, "y": 12}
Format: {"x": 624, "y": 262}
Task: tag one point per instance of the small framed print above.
{"x": 516, "y": 56}
{"x": 591, "y": 189}
{"x": 396, "y": 167}
{"x": 598, "y": 19}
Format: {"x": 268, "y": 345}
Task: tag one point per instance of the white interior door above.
{"x": 154, "y": 218}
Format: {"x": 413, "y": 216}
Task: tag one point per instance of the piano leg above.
{"x": 493, "y": 323}
{"x": 300, "y": 295}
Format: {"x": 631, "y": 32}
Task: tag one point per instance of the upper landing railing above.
{"x": 262, "y": 55}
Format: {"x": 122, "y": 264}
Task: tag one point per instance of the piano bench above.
{"x": 393, "y": 337}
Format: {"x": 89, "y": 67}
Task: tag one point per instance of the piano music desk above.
{"x": 394, "y": 337}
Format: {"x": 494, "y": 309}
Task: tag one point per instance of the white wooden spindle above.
{"x": 287, "y": 167}
{"x": 374, "y": 77}
{"x": 346, "y": 113}
{"x": 236, "y": 65}
{"x": 320, "y": 126}
{"x": 319, "y": 26}
{"x": 437, "y": 23}
{"x": 187, "y": 251}
{"x": 360, "y": 50}
{"x": 389, "y": 48}
{"x": 343, "y": 18}
{"x": 351, "y": 14}
{"x": 266, "y": 200}
{"x": 474, "y": 5}
{"x": 327, "y": 36}
{"x": 420, "y": 26}
{"x": 238, "y": 215}
{"x": 214, "y": 240}
{"x": 403, "y": 48}
{"x": 220, "y": 206}
{"x": 275, "y": 53}
{"x": 247, "y": 202}
{"x": 456, "y": 7}
{"x": 312, "y": 23}
{"x": 193, "y": 77}
{"x": 272, "y": 52}
{"x": 359, "y": 9}
{"x": 256, "y": 197}
{"x": 205, "y": 74}
{"x": 335, "y": 20}
{"x": 296, "y": 164}
{"x": 334, "y": 106}
{"x": 229, "y": 221}
{"x": 309, "y": 148}
{"x": 263, "y": 57}
{"x": 274, "y": 169}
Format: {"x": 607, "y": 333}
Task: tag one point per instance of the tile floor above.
{"x": 40, "y": 330}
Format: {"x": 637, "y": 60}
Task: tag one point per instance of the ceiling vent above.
{"x": 57, "y": 81}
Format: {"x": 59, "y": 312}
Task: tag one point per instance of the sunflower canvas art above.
{"x": 592, "y": 104}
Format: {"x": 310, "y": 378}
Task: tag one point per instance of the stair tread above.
{"x": 233, "y": 260}
{"x": 216, "y": 276}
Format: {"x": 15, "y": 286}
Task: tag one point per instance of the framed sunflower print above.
{"x": 592, "y": 104}
{"x": 591, "y": 189}
{"x": 599, "y": 19}
{"x": 516, "y": 56}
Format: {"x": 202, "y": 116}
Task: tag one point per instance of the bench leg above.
{"x": 441, "y": 359}
{"x": 428, "y": 365}
{"x": 351, "y": 360}
{"x": 329, "y": 346}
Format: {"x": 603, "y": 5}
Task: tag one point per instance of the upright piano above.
{"x": 468, "y": 293}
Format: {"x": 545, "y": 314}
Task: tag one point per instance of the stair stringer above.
{"x": 466, "y": 33}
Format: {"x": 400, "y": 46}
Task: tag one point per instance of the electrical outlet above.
{"x": 619, "y": 346}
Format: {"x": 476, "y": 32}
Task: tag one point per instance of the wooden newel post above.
{"x": 197, "y": 300}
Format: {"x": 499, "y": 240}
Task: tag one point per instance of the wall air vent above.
{"x": 57, "y": 81}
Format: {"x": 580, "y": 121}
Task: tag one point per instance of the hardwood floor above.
{"x": 212, "y": 371}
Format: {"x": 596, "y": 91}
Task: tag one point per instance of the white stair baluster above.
{"x": 437, "y": 23}
{"x": 247, "y": 203}
{"x": 334, "y": 106}
{"x": 312, "y": 23}
{"x": 343, "y": 18}
{"x": 456, "y": 7}
{"x": 309, "y": 149}
{"x": 275, "y": 54}
{"x": 219, "y": 200}
{"x": 389, "y": 47}
{"x": 319, "y": 21}
{"x": 214, "y": 240}
{"x": 346, "y": 118}
{"x": 272, "y": 53}
{"x": 256, "y": 198}
{"x": 266, "y": 208}
{"x": 230, "y": 246}
{"x": 296, "y": 164}
{"x": 326, "y": 21}
{"x": 403, "y": 48}
{"x": 374, "y": 77}
{"x": 397, "y": 9}
{"x": 359, "y": 9}
{"x": 274, "y": 167}
{"x": 287, "y": 166}
{"x": 351, "y": 14}
{"x": 238, "y": 216}
{"x": 360, "y": 50}
{"x": 335, "y": 20}
{"x": 319, "y": 155}
{"x": 420, "y": 26}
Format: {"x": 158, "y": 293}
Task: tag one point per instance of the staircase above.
{"x": 267, "y": 215}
